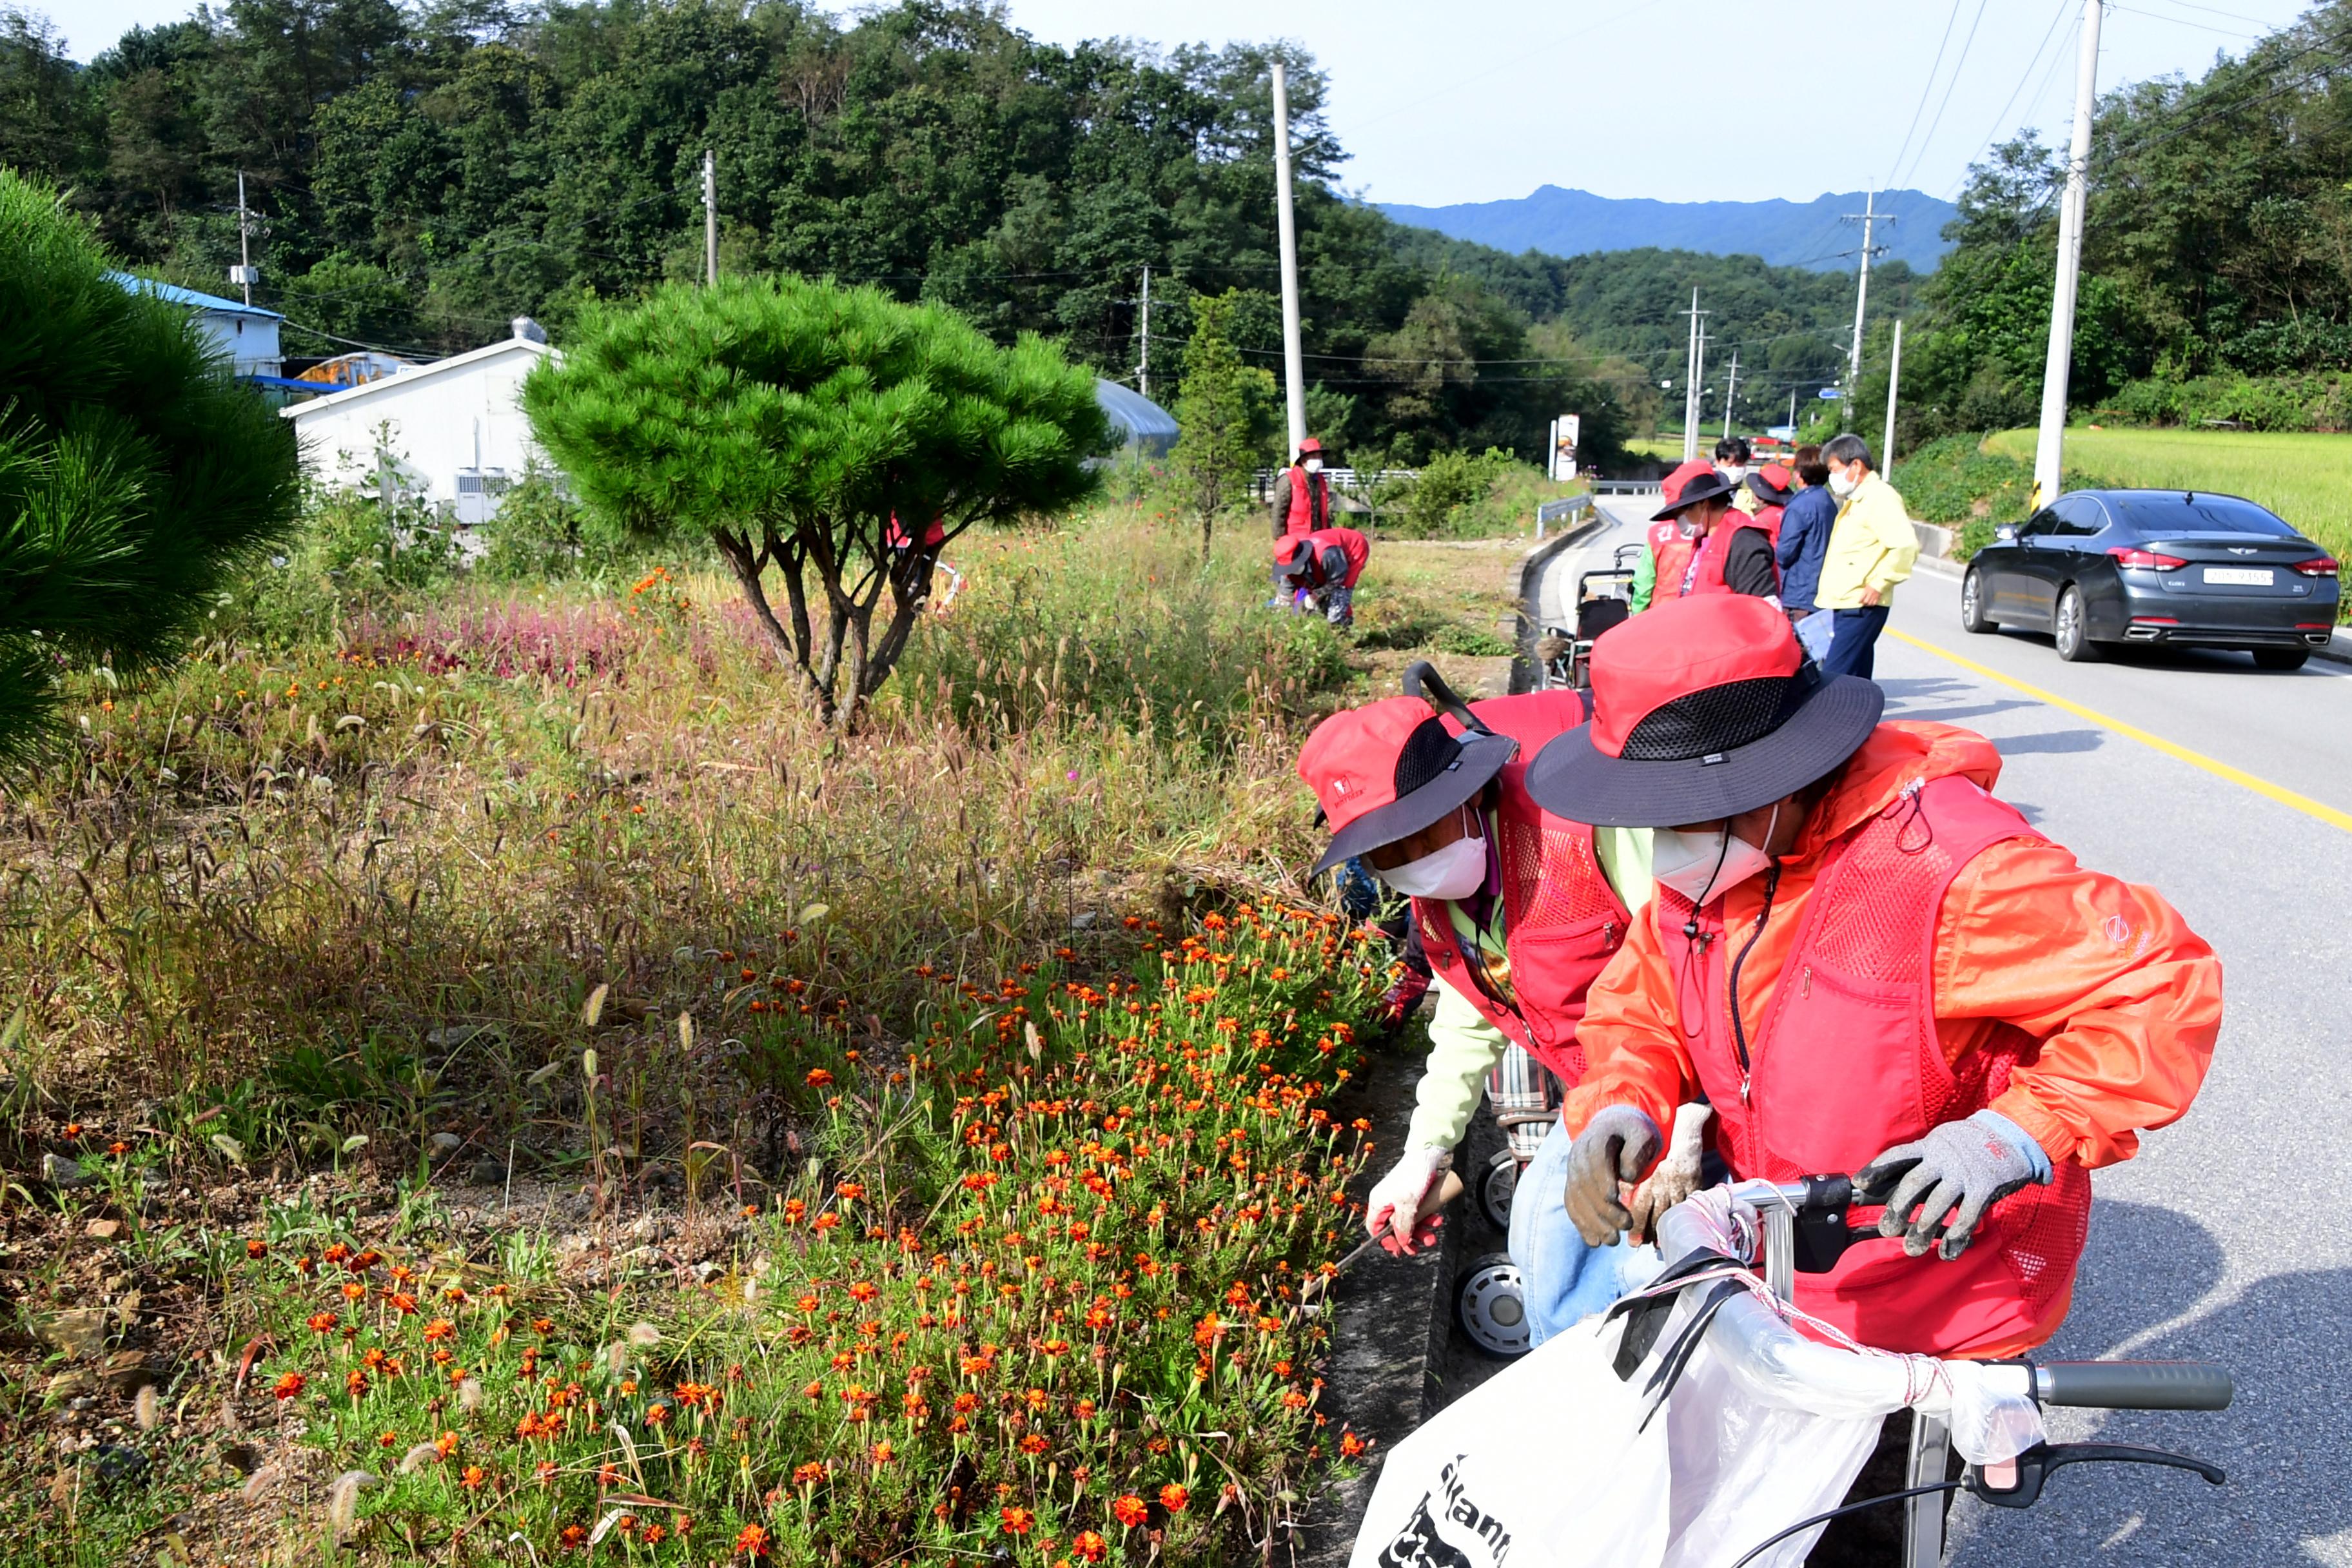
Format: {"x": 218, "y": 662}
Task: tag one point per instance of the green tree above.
{"x": 135, "y": 474}
{"x": 792, "y": 422}
{"x": 1221, "y": 437}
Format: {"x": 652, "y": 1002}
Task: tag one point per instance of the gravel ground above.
{"x": 2210, "y": 1245}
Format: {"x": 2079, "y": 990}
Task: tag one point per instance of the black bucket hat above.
{"x": 1703, "y": 707}
{"x": 1389, "y": 769}
{"x": 1708, "y": 486}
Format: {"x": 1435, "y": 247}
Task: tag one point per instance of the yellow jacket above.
{"x": 1872, "y": 544}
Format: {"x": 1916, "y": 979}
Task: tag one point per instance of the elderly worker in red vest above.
{"x": 1518, "y": 910}
{"x": 1701, "y": 543}
{"x": 1321, "y": 568}
{"x": 1868, "y": 964}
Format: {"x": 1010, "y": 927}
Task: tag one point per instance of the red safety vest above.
{"x": 1673, "y": 553}
{"x": 1562, "y": 921}
{"x": 1849, "y": 1062}
{"x": 1310, "y": 501}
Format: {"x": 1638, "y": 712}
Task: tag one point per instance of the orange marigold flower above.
{"x": 256, "y": 1249}
{"x": 324, "y": 1323}
{"x": 572, "y": 1537}
{"x": 1350, "y": 1444}
{"x": 1173, "y": 1498}
{"x": 1017, "y": 1520}
{"x": 440, "y": 1329}
{"x": 1090, "y": 1546}
{"x": 820, "y": 1078}
{"x": 475, "y": 1477}
{"x": 882, "y": 1453}
{"x": 1131, "y": 1510}
{"x": 353, "y": 1290}
{"x": 808, "y": 1474}
{"x": 1032, "y": 1444}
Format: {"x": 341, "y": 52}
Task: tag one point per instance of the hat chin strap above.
{"x": 1422, "y": 680}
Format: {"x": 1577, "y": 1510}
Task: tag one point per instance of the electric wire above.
{"x": 1932, "y": 67}
{"x": 1944, "y": 102}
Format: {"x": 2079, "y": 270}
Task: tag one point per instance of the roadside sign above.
{"x": 1782, "y": 432}
{"x": 1830, "y": 394}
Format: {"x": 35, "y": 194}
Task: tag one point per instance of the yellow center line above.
{"x": 2287, "y": 798}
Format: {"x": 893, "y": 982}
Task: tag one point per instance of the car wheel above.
{"x": 2279, "y": 657}
{"x": 2071, "y": 632}
{"x": 1972, "y": 604}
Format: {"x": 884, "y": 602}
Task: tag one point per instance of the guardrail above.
{"x": 1344, "y": 481}
{"x": 1628, "y": 487}
{"x": 1568, "y": 509}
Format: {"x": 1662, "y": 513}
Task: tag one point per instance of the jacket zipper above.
{"x": 1740, "y": 1030}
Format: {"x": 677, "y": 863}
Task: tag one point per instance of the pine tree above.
{"x": 136, "y": 474}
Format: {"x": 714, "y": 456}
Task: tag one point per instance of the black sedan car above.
{"x": 2156, "y": 566}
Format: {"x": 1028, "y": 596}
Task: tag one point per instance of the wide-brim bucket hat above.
{"x": 1707, "y": 486}
{"x": 1389, "y": 769}
{"x": 1702, "y": 708}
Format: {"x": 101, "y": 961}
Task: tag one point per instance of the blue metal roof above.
{"x": 1143, "y": 420}
{"x": 190, "y": 297}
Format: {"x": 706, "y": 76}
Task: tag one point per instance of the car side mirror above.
{"x": 2006, "y": 533}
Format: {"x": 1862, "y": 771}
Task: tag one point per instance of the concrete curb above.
{"x": 1531, "y": 585}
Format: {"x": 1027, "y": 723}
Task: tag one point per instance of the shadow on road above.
{"x": 2055, "y": 741}
{"x": 2285, "y": 1339}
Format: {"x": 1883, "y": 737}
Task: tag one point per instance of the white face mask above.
{"x": 1843, "y": 483}
{"x": 1735, "y": 472}
{"x": 1701, "y": 866}
{"x": 1457, "y": 871}
{"x": 1313, "y": 465}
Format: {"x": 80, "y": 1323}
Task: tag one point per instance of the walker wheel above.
{"x": 1497, "y": 1183}
{"x": 1492, "y": 1311}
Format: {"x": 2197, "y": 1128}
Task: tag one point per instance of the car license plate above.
{"x": 2239, "y": 576}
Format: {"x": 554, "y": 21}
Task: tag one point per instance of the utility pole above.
{"x": 1293, "y": 372}
{"x": 2049, "y": 448}
{"x": 1792, "y": 416}
{"x": 1869, "y": 218}
{"x": 709, "y": 217}
{"x": 1143, "y": 364}
{"x": 1692, "y": 358}
{"x": 1699, "y": 395}
{"x": 1894, "y": 383}
{"x": 244, "y": 273}
{"x": 1728, "y": 392}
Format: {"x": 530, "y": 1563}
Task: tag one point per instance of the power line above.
{"x": 2064, "y": 8}
{"x": 1932, "y": 67}
{"x": 1958, "y": 67}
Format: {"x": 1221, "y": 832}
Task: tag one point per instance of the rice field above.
{"x": 2306, "y": 479}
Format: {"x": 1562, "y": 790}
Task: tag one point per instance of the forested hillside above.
{"x": 2217, "y": 257}
{"x": 421, "y": 174}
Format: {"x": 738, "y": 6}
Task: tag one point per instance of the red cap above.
{"x": 1350, "y": 762}
{"x": 1357, "y": 758}
{"x": 1680, "y": 647}
{"x": 1682, "y": 475}
{"x": 1779, "y": 477}
{"x": 1311, "y": 445}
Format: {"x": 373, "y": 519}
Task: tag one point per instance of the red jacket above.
{"x": 1353, "y": 547}
{"x": 1924, "y": 954}
{"x": 1562, "y": 921}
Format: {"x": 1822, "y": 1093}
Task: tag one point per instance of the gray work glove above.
{"x": 1959, "y": 1169}
{"x": 1677, "y": 1174}
{"x": 1615, "y": 1146}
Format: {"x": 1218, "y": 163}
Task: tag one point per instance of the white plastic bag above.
{"x": 1548, "y": 1466}
{"x": 1814, "y": 631}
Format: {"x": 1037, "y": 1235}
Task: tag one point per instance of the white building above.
{"x": 245, "y": 335}
{"x": 451, "y": 432}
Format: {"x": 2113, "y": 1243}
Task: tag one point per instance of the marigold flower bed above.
{"x": 1038, "y": 1295}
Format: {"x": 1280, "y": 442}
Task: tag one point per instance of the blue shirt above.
{"x": 1805, "y": 540}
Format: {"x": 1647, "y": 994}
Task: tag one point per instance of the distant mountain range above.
{"x": 1788, "y": 234}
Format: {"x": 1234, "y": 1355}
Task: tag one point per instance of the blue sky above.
{"x": 1487, "y": 99}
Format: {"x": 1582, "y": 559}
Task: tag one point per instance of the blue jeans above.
{"x": 1852, "y": 643}
{"x": 1563, "y": 1277}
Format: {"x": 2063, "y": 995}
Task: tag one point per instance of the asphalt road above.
{"x": 2221, "y": 1242}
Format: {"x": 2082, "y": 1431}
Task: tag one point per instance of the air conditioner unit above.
{"x": 479, "y": 491}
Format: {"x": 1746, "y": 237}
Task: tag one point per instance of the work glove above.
{"x": 1615, "y": 1146}
{"x": 1396, "y": 1198}
{"x": 1958, "y": 1169}
{"x": 1676, "y": 1176}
